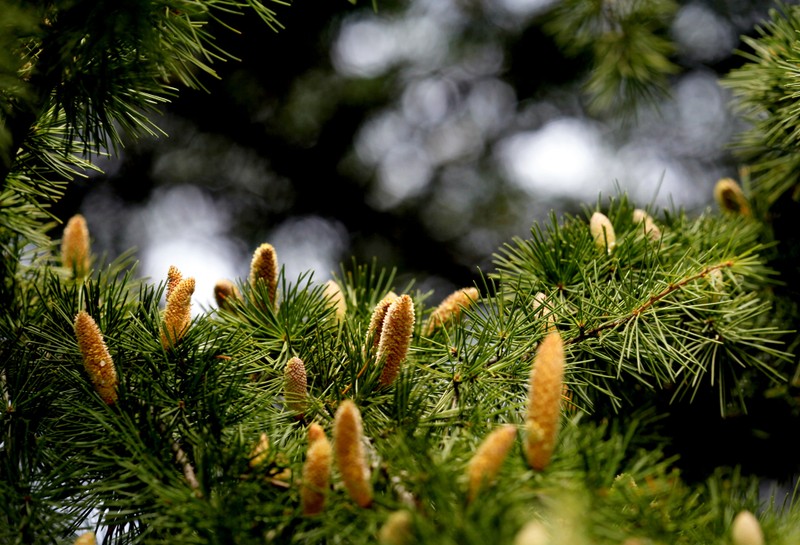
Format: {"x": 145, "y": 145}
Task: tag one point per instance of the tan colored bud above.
{"x": 316, "y": 471}
{"x": 351, "y": 458}
{"x": 745, "y": 530}
{"x": 488, "y": 459}
{"x": 333, "y": 294}
{"x": 174, "y": 277}
{"x": 650, "y": 227}
{"x": 260, "y": 451}
{"x": 603, "y": 232}
{"x": 450, "y": 309}
{"x": 730, "y": 197}
{"x": 539, "y": 309}
{"x": 264, "y": 268}
{"x": 315, "y": 432}
{"x": 75, "y": 246}
{"x": 544, "y": 401}
{"x": 87, "y": 538}
{"x": 395, "y": 338}
{"x": 178, "y": 314}
{"x": 378, "y": 316}
{"x": 226, "y": 293}
{"x": 96, "y": 358}
{"x": 295, "y": 386}
{"x": 397, "y": 529}
{"x": 532, "y": 533}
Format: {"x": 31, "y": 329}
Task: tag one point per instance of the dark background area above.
{"x": 425, "y": 134}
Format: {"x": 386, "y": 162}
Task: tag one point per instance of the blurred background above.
{"x": 425, "y": 134}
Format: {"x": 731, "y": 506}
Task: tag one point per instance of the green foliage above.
{"x": 765, "y": 91}
{"x": 663, "y": 319}
{"x": 626, "y": 45}
{"x": 689, "y": 309}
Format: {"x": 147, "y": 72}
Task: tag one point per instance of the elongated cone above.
{"x": 650, "y": 227}
{"x": 397, "y": 529}
{"x": 333, "y": 293}
{"x": 395, "y": 338}
{"x": 264, "y": 268}
{"x": 348, "y": 444}
{"x": 87, "y": 538}
{"x": 260, "y": 452}
{"x": 225, "y": 294}
{"x": 96, "y": 358}
{"x": 730, "y": 197}
{"x": 378, "y": 316}
{"x": 174, "y": 276}
{"x": 295, "y": 386}
{"x": 544, "y": 401}
{"x": 75, "y": 246}
{"x": 603, "y": 232}
{"x": 487, "y": 460}
{"x": 178, "y": 313}
{"x": 450, "y": 309}
{"x": 316, "y": 471}
{"x": 745, "y": 530}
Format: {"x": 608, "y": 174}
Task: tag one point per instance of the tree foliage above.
{"x": 217, "y": 426}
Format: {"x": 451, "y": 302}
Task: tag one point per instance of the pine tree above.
{"x": 626, "y": 375}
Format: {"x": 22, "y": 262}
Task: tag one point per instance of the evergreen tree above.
{"x": 625, "y": 375}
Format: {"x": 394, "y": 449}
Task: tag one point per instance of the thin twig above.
{"x": 594, "y": 332}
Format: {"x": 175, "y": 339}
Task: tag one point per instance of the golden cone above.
{"x": 602, "y": 232}
{"x": 544, "y": 401}
{"x": 395, "y": 338}
{"x": 295, "y": 386}
{"x": 75, "y": 248}
{"x": 96, "y": 358}
{"x": 174, "y": 276}
{"x": 178, "y": 313}
{"x": 315, "y": 432}
{"x": 378, "y": 316}
{"x": 260, "y": 452}
{"x": 225, "y": 294}
{"x": 397, "y": 529}
{"x": 450, "y": 309}
{"x": 350, "y": 455}
{"x": 87, "y": 538}
{"x": 745, "y": 530}
{"x": 730, "y": 197}
{"x": 333, "y": 293}
{"x": 487, "y": 460}
{"x": 316, "y": 471}
{"x": 264, "y": 268}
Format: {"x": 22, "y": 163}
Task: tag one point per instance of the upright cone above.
{"x": 395, "y": 338}
{"x": 264, "y": 268}
{"x": 487, "y": 460}
{"x": 178, "y": 313}
{"x": 75, "y": 246}
{"x": 544, "y": 401}
{"x": 96, "y": 358}
{"x": 348, "y": 443}
{"x": 316, "y": 471}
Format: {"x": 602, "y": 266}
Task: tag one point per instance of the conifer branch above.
{"x": 652, "y": 300}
